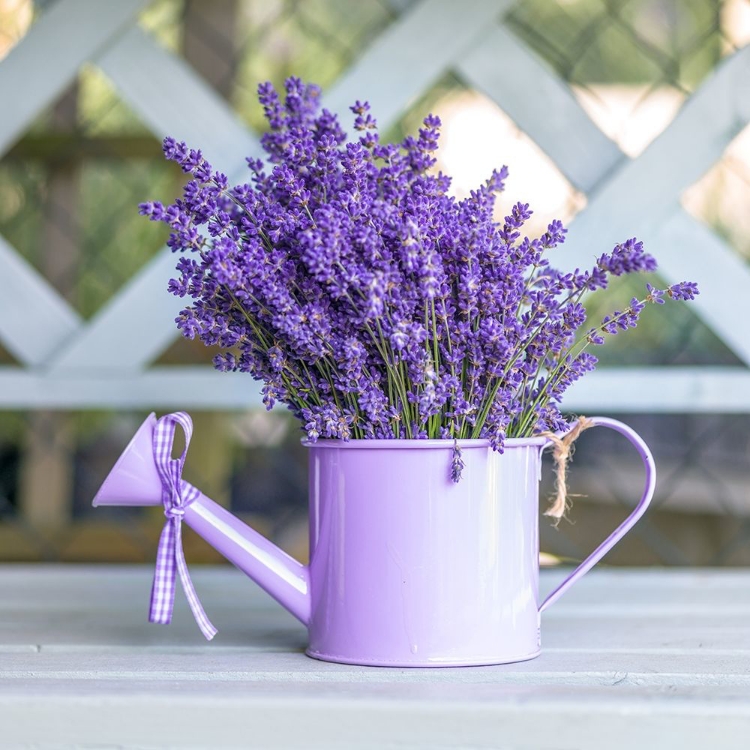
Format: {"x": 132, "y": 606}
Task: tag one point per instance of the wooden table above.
{"x": 631, "y": 659}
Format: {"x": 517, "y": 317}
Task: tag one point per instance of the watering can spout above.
{"x": 135, "y": 481}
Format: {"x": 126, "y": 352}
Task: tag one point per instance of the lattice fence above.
{"x": 635, "y": 110}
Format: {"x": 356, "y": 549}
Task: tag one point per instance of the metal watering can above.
{"x": 407, "y": 568}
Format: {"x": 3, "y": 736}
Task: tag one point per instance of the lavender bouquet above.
{"x": 371, "y": 302}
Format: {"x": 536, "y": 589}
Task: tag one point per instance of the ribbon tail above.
{"x": 163, "y": 587}
{"x": 206, "y": 626}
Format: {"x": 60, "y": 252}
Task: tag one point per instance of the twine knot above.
{"x": 562, "y": 452}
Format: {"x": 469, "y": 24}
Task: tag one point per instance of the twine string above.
{"x": 562, "y": 452}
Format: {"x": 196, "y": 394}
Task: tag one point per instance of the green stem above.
{"x": 553, "y": 379}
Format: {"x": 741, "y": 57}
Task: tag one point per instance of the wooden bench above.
{"x": 631, "y": 659}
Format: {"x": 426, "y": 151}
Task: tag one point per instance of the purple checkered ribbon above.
{"x": 176, "y": 495}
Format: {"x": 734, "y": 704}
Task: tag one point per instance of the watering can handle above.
{"x": 627, "y": 524}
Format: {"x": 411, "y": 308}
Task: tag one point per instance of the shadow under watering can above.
{"x": 407, "y": 567}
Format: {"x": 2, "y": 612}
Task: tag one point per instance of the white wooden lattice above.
{"x": 70, "y": 363}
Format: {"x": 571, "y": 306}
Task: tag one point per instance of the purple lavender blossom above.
{"x": 685, "y": 290}
{"x": 372, "y": 303}
{"x": 457, "y": 463}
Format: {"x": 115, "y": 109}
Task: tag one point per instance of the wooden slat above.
{"x": 137, "y": 324}
{"x": 665, "y": 654}
{"x": 421, "y": 46}
{"x": 165, "y": 387}
{"x": 637, "y": 197}
{"x": 46, "y": 61}
{"x": 285, "y": 664}
{"x": 637, "y": 616}
{"x": 694, "y": 390}
{"x": 146, "y": 338}
{"x": 177, "y": 102}
{"x": 689, "y": 250}
{"x": 69, "y": 33}
{"x": 134, "y": 327}
{"x": 34, "y": 318}
{"x": 346, "y": 717}
{"x": 542, "y": 105}
{"x": 666, "y": 390}
{"x": 172, "y": 99}
{"x": 645, "y": 191}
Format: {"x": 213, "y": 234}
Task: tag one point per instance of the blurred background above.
{"x": 609, "y": 113}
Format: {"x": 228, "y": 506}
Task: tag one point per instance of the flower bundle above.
{"x": 370, "y": 301}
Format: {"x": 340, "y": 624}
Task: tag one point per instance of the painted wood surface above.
{"x": 688, "y": 249}
{"x": 667, "y": 390}
{"x": 70, "y": 363}
{"x": 411, "y": 55}
{"x": 31, "y": 332}
{"x": 179, "y": 103}
{"x": 69, "y": 33}
{"x": 637, "y": 196}
{"x": 542, "y": 105}
{"x": 651, "y": 658}
{"x": 423, "y": 45}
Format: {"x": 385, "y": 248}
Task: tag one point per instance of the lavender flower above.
{"x": 685, "y": 290}
{"x": 457, "y": 463}
{"x": 372, "y": 303}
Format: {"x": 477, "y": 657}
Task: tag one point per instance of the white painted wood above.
{"x": 324, "y": 718}
{"x": 542, "y": 105}
{"x": 46, "y": 61}
{"x": 134, "y": 327}
{"x": 689, "y": 668}
{"x": 172, "y": 99}
{"x": 668, "y": 390}
{"x": 425, "y": 42}
{"x": 34, "y": 318}
{"x": 417, "y": 49}
{"x": 662, "y": 390}
{"x": 637, "y": 196}
{"x": 143, "y": 303}
{"x": 430, "y": 38}
{"x": 61, "y": 582}
{"x": 690, "y": 249}
{"x": 199, "y": 387}
{"x": 138, "y": 323}
{"x": 631, "y": 658}
{"x": 644, "y": 192}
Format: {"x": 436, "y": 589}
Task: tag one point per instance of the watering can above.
{"x": 407, "y": 567}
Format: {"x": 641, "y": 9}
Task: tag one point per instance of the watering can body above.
{"x": 407, "y": 567}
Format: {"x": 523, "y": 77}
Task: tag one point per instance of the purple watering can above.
{"x": 407, "y": 568}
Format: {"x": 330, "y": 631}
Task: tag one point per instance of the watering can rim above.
{"x": 411, "y": 444}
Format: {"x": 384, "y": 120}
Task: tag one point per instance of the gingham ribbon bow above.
{"x": 176, "y": 496}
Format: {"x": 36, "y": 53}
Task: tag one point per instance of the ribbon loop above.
{"x": 177, "y": 495}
